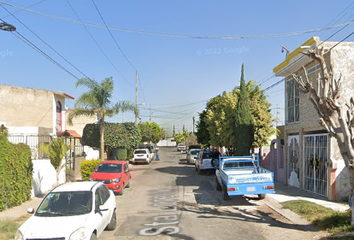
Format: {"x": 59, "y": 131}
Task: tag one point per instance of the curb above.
{"x": 291, "y": 216}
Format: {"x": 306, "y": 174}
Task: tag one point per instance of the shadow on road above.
{"x": 241, "y": 214}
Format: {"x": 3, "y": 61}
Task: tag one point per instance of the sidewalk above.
{"x": 287, "y": 193}
{"x": 19, "y": 211}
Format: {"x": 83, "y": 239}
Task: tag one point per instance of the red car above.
{"x": 114, "y": 174}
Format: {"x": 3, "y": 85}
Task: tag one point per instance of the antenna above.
{"x": 284, "y": 48}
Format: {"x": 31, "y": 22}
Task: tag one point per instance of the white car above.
{"x": 142, "y": 156}
{"x": 181, "y": 147}
{"x": 206, "y": 160}
{"x": 75, "y": 210}
{"x": 192, "y": 155}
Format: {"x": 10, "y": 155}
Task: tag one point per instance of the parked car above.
{"x": 74, "y": 210}
{"x": 192, "y": 154}
{"x": 152, "y": 148}
{"x": 206, "y": 160}
{"x": 114, "y": 174}
{"x": 181, "y": 147}
{"x": 142, "y": 156}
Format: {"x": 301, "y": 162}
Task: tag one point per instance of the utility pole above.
{"x": 150, "y": 113}
{"x": 193, "y": 123}
{"x": 136, "y": 98}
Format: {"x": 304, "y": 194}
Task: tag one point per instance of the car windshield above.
{"x": 241, "y": 164}
{"x": 211, "y": 155}
{"x": 65, "y": 204}
{"x": 195, "y": 152}
{"x": 109, "y": 168}
{"x": 140, "y": 152}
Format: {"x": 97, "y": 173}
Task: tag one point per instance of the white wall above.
{"x": 45, "y": 177}
{"x": 166, "y": 143}
{"x": 91, "y": 154}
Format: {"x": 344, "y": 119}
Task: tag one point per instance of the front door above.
{"x": 293, "y": 161}
{"x": 315, "y": 157}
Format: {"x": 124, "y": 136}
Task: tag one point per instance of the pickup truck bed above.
{"x": 242, "y": 175}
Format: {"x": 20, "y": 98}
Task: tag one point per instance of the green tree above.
{"x": 150, "y": 132}
{"x": 181, "y": 137}
{"x": 146, "y": 132}
{"x": 244, "y": 125}
{"x": 97, "y": 101}
{"x": 262, "y": 117}
{"x": 121, "y": 136}
{"x": 55, "y": 151}
{"x": 213, "y": 121}
{"x": 203, "y": 136}
{"x": 226, "y": 109}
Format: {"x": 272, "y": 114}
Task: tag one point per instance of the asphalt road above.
{"x": 169, "y": 200}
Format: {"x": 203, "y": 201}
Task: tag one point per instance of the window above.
{"x": 104, "y": 192}
{"x": 292, "y": 113}
{"x": 59, "y": 117}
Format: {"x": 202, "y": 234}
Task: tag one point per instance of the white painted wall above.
{"x": 91, "y": 154}
{"x": 166, "y": 143}
{"x": 45, "y": 177}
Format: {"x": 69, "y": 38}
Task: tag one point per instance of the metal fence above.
{"x": 34, "y": 140}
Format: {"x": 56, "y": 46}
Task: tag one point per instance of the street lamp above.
{"x": 7, "y": 27}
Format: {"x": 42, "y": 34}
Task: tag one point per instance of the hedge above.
{"x": 16, "y": 170}
{"x": 86, "y": 168}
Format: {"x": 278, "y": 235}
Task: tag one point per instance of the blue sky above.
{"x": 176, "y": 47}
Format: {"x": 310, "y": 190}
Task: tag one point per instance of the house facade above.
{"x": 312, "y": 158}
{"x": 32, "y": 115}
{"x": 32, "y": 110}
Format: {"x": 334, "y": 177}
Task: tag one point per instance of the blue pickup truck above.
{"x": 242, "y": 175}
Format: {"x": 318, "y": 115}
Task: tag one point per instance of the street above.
{"x": 169, "y": 200}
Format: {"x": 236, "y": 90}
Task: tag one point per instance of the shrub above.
{"x": 86, "y": 168}
{"x": 122, "y": 154}
{"x": 16, "y": 169}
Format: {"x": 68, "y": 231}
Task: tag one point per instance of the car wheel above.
{"x": 218, "y": 186}
{"x": 93, "y": 237}
{"x": 122, "y": 190}
{"x": 113, "y": 223}
{"x": 225, "y": 196}
{"x": 128, "y": 186}
{"x": 261, "y": 196}
{"x": 215, "y": 163}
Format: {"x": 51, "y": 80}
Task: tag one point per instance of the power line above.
{"x": 23, "y": 9}
{"x": 32, "y": 45}
{"x": 94, "y": 40}
{"x": 44, "y": 41}
{"x": 120, "y": 49}
{"x": 177, "y": 35}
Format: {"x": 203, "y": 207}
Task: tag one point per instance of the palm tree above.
{"x": 125, "y": 106}
{"x": 55, "y": 151}
{"x": 96, "y": 101}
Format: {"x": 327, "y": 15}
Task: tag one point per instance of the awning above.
{"x": 69, "y": 133}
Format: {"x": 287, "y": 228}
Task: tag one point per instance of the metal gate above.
{"x": 293, "y": 161}
{"x": 315, "y": 157}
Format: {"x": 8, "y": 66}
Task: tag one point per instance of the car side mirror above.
{"x": 101, "y": 209}
{"x": 30, "y": 210}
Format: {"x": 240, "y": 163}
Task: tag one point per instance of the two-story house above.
{"x": 30, "y": 113}
{"x": 312, "y": 158}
